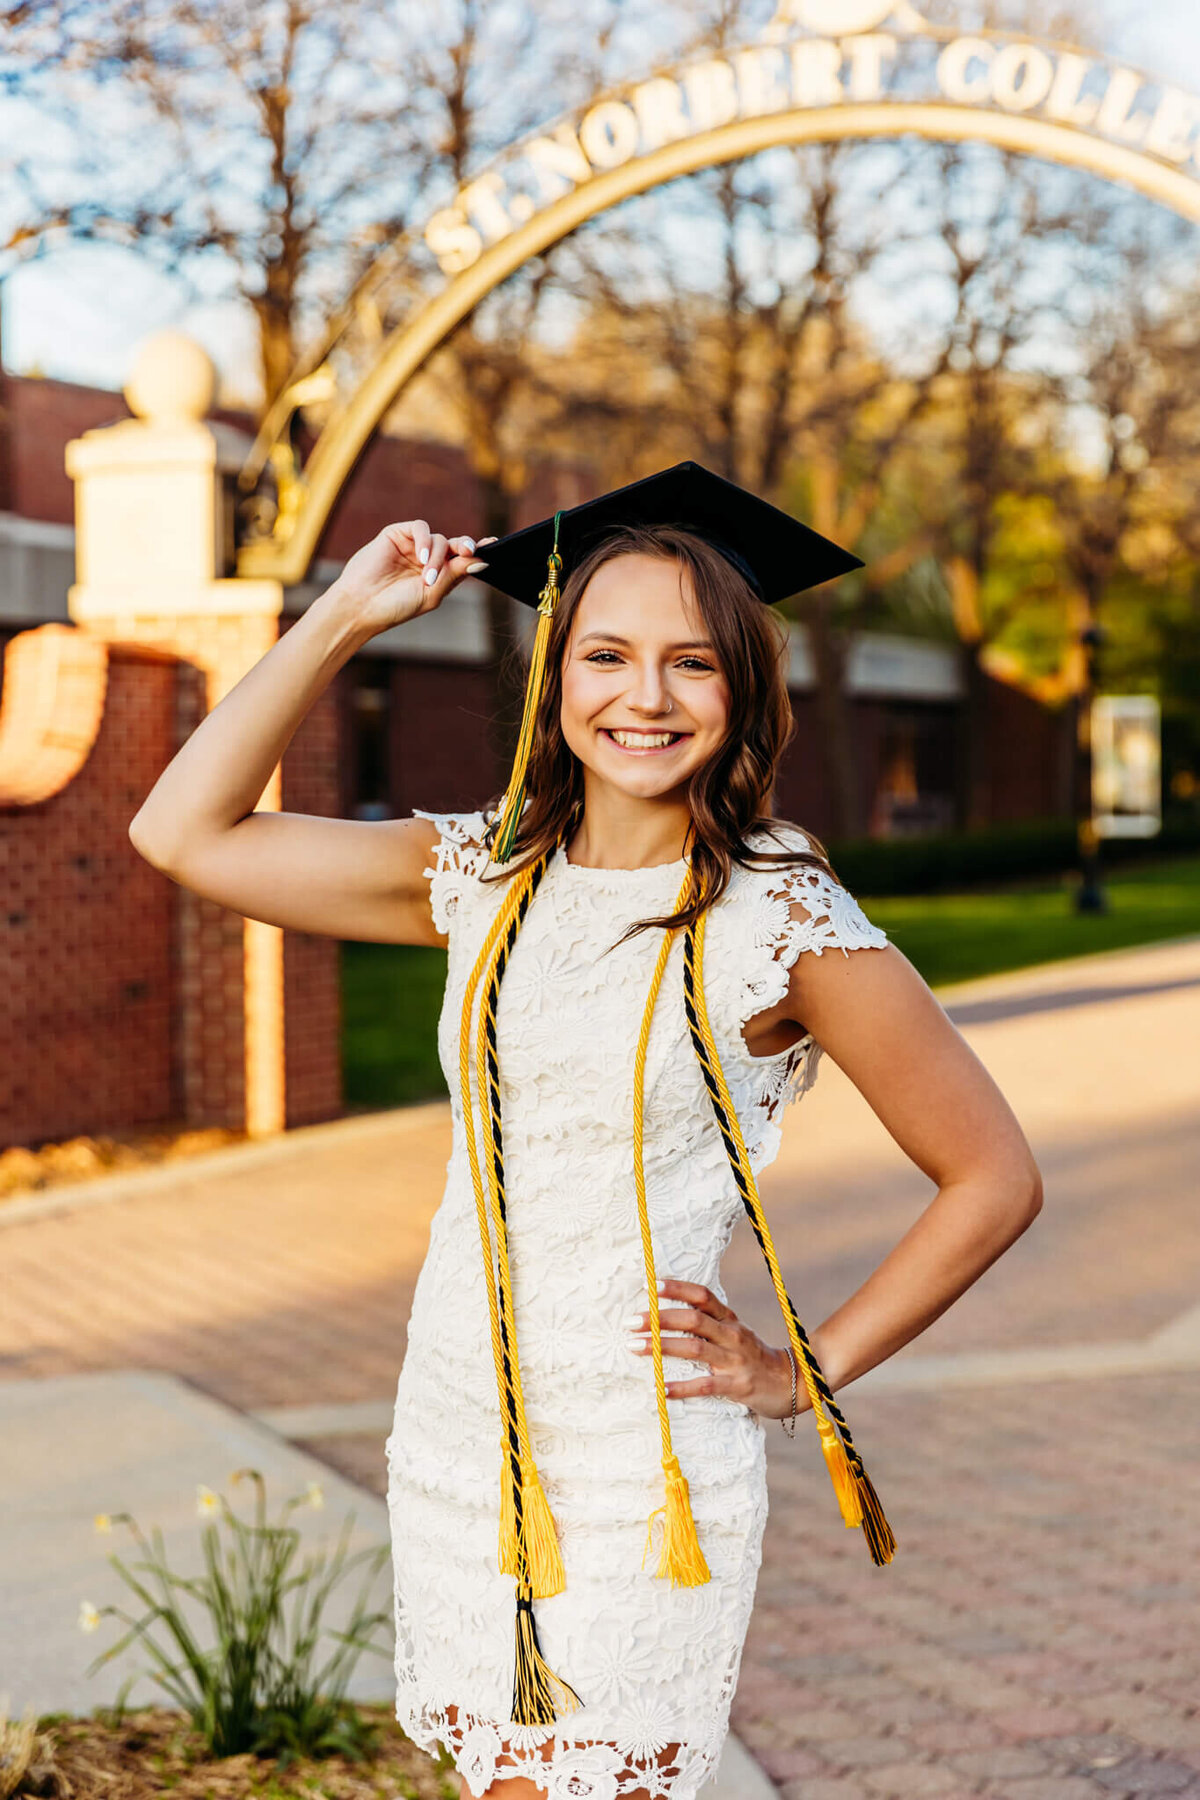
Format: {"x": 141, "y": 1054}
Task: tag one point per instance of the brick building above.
{"x": 123, "y": 997}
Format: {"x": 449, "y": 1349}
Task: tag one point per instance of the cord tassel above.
{"x": 680, "y": 1557}
{"x": 876, "y": 1529}
{"x": 514, "y": 797}
{"x": 539, "y": 1695}
{"x": 539, "y": 1535}
{"x": 844, "y": 1485}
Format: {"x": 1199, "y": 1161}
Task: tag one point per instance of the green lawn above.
{"x": 391, "y": 993}
{"x": 391, "y": 997}
{"x": 954, "y": 937}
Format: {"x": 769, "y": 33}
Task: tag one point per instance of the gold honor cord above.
{"x": 528, "y": 1540}
{"x": 856, "y": 1494}
{"x": 680, "y": 1556}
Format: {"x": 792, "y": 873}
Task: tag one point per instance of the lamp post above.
{"x": 1089, "y": 896}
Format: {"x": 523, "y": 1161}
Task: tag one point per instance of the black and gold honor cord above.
{"x": 856, "y": 1495}
{"x": 528, "y": 1543}
{"x": 528, "y": 1546}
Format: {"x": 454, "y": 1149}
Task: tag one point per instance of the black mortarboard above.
{"x": 776, "y": 553}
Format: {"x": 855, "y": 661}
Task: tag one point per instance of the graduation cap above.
{"x": 776, "y": 554}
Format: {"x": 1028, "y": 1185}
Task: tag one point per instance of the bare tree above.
{"x": 265, "y": 151}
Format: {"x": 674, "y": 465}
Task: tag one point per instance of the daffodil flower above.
{"x": 103, "y": 1523}
{"x": 89, "y": 1618}
{"x": 316, "y": 1495}
{"x": 206, "y": 1501}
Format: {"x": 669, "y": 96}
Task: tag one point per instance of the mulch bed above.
{"x": 156, "y": 1752}
{"x": 28, "y": 1171}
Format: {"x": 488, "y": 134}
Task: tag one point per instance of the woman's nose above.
{"x": 649, "y": 692}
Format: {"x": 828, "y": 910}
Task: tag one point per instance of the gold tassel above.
{"x": 538, "y": 1533}
{"x": 508, "y": 1517}
{"x": 680, "y": 1557}
{"x": 844, "y": 1485}
{"x": 514, "y": 797}
{"x": 539, "y": 1695}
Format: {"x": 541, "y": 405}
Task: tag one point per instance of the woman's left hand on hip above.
{"x": 704, "y": 1329}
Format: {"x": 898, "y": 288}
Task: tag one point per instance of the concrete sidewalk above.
{"x": 78, "y": 1445}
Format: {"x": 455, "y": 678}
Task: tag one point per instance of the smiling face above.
{"x": 644, "y": 700}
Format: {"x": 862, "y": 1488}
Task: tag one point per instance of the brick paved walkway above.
{"x": 1038, "y": 1634}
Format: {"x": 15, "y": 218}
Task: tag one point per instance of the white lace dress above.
{"x": 655, "y": 1666}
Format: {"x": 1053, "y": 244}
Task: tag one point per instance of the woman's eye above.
{"x": 695, "y": 662}
{"x": 602, "y": 656}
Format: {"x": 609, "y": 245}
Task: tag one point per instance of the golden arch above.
{"x": 403, "y": 352}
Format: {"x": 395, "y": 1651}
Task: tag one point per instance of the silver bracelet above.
{"x": 789, "y": 1425}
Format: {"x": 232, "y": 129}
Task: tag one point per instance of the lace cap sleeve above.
{"x": 459, "y": 859}
{"x": 799, "y": 908}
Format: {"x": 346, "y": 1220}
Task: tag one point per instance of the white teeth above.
{"x": 642, "y": 740}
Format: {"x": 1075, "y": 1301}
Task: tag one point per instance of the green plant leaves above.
{"x": 273, "y": 1679}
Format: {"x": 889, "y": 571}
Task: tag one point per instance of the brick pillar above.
{"x": 154, "y": 556}
{"x": 312, "y": 965}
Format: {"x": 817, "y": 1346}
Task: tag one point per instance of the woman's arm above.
{"x": 872, "y": 1013}
{"x": 341, "y": 878}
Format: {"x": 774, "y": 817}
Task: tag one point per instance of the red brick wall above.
{"x": 1029, "y": 757}
{"x": 41, "y": 417}
{"x": 401, "y": 479}
{"x": 207, "y": 999}
{"x": 442, "y": 747}
{"x": 86, "y": 934}
{"x": 121, "y": 992}
{"x": 312, "y": 965}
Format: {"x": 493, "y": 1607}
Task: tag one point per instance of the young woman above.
{"x": 540, "y": 1408}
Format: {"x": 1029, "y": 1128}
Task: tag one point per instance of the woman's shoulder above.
{"x": 459, "y": 856}
{"x": 799, "y": 904}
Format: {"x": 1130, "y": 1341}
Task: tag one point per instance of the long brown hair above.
{"x": 729, "y": 795}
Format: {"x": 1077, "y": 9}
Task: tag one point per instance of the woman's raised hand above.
{"x": 406, "y": 569}
{"x": 703, "y": 1329}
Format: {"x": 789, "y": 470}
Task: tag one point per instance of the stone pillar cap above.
{"x": 173, "y": 380}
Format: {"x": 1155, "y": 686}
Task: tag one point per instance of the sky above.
{"x": 80, "y": 313}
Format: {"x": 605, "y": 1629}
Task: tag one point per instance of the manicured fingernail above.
{"x": 423, "y": 554}
{"x": 662, "y": 1287}
{"x": 635, "y": 1320}
{"x": 469, "y": 542}
{"x": 431, "y": 576}
{"x": 475, "y": 567}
